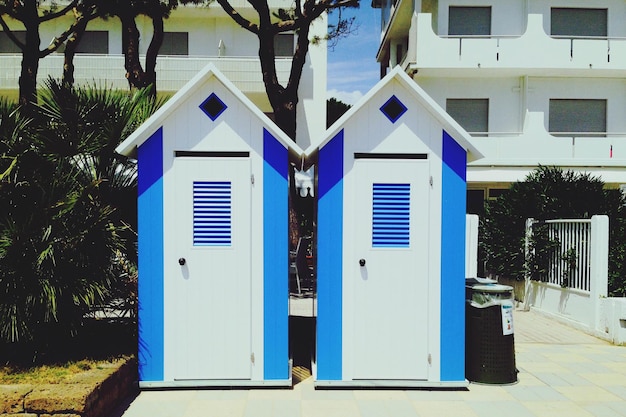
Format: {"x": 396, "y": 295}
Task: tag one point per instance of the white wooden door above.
{"x": 390, "y": 269}
{"x": 213, "y": 211}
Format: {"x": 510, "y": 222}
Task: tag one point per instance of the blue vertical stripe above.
{"x": 453, "y": 261}
{"x": 391, "y": 208}
{"x": 150, "y": 243}
{"x": 275, "y": 260}
{"x": 329, "y": 260}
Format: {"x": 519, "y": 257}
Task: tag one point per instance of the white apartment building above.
{"x": 533, "y": 81}
{"x": 194, "y": 36}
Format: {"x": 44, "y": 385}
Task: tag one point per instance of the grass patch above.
{"x": 44, "y": 374}
{"x": 99, "y": 344}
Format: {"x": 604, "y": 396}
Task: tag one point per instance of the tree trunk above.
{"x": 153, "y": 51}
{"x": 70, "y": 51}
{"x": 282, "y": 100}
{"x": 30, "y": 57}
{"x": 130, "y": 43}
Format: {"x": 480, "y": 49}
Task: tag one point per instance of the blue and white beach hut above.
{"x": 213, "y": 240}
{"x": 391, "y": 242}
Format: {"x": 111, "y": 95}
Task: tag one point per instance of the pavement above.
{"x": 562, "y": 372}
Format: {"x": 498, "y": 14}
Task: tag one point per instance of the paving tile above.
{"x": 328, "y": 394}
{"x": 214, "y": 408}
{"x": 329, "y": 408}
{"x": 563, "y": 379}
{"x": 273, "y": 408}
{"x": 370, "y": 394}
{"x": 620, "y": 391}
{"x": 606, "y": 409}
{"x": 480, "y": 392}
{"x": 556, "y": 409}
{"x": 435, "y": 395}
{"x": 587, "y": 394}
{"x": 444, "y": 409}
{"x": 287, "y": 408}
{"x": 287, "y": 394}
{"x": 527, "y": 379}
{"x": 154, "y": 408}
{"x": 543, "y": 367}
{"x": 497, "y": 408}
{"x": 400, "y": 408}
{"x": 210, "y": 394}
{"x": 259, "y": 408}
{"x": 373, "y": 408}
{"x": 536, "y": 393}
{"x": 605, "y": 379}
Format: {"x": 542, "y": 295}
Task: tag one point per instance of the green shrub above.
{"x": 550, "y": 193}
{"x": 67, "y": 208}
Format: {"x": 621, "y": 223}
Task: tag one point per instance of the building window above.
{"x": 469, "y": 21}
{"x": 572, "y": 117}
{"x": 475, "y": 202}
{"x": 175, "y": 43}
{"x": 578, "y": 22}
{"x": 284, "y": 44}
{"x": 471, "y": 113}
{"x": 7, "y": 46}
{"x": 496, "y": 192}
{"x": 94, "y": 42}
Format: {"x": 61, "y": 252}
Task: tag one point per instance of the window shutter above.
{"x": 572, "y": 115}
{"x": 175, "y": 43}
{"x": 94, "y": 42}
{"x": 469, "y": 21}
{"x": 578, "y": 22}
{"x": 471, "y": 113}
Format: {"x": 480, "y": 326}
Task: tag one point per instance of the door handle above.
{"x": 182, "y": 261}
{"x": 362, "y": 262}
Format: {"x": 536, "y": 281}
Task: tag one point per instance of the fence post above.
{"x": 599, "y": 265}
{"x": 471, "y": 246}
{"x": 528, "y": 233}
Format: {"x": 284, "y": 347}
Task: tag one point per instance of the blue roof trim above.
{"x": 454, "y": 156}
{"x": 275, "y": 154}
{"x": 333, "y": 172}
{"x": 151, "y": 168}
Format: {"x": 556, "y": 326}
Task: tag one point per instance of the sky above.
{"x": 352, "y": 66}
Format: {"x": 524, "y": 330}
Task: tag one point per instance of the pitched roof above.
{"x": 129, "y": 146}
{"x": 449, "y": 124}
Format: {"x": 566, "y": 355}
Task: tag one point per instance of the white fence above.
{"x": 576, "y": 280}
{"x": 570, "y": 264}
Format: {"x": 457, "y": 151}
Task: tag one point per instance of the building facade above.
{"x": 533, "y": 81}
{"x": 194, "y": 37}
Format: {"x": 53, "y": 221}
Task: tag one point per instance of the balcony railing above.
{"x": 532, "y": 51}
{"x": 172, "y": 72}
{"x": 538, "y": 146}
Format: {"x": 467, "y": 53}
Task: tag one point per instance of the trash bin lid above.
{"x": 492, "y": 288}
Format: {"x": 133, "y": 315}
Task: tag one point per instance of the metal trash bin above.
{"x": 490, "y": 346}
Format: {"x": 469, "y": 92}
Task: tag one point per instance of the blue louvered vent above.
{"x": 212, "y": 213}
{"x": 390, "y": 215}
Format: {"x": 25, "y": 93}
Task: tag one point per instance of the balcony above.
{"x": 535, "y": 145}
{"x": 172, "y": 72}
{"x": 532, "y": 53}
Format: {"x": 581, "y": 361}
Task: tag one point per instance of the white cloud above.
{"x": 345, "y": 96}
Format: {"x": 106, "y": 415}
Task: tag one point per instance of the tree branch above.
{"x": 10, "y": 34}
{"x": 238, "y": 18}
{"x": 57, "y": 41}
{"x": 9, "y": 12}
{"x": 60, "y": 13}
